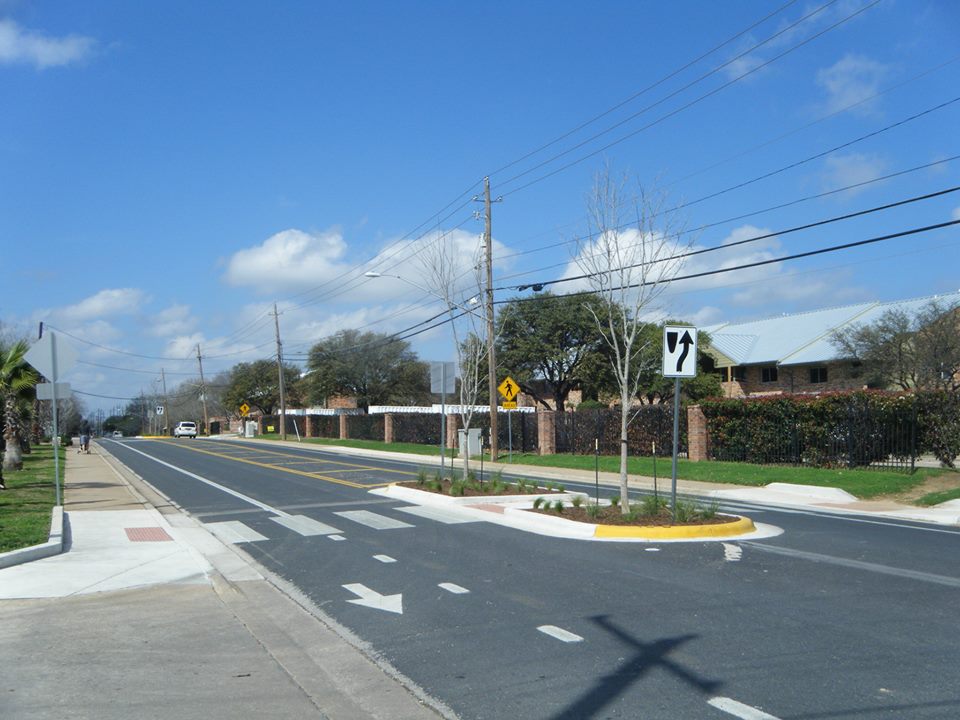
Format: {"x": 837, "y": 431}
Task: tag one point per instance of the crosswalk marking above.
{"x": 559, "y": 633}
{"x": 373, "y": 520}
{"x": 234, "y": 531}
{"x": 450, "y": 517}
{"x": 455, "y": 589}
{"x": 304, "y": 525}
{"x": 384, "y": 558}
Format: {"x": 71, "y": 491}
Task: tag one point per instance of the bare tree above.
{"x": 459, "y": 291}
{"x": 628, "y": 257}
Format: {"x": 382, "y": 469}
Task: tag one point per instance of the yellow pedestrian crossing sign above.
{"x": 244, "y": 409}
{"x": 509, "y": 389}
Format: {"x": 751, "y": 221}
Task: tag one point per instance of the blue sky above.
{"x": 170, "y": 170}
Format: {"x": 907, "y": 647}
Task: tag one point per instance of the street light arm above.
{"x": 472, "y": 301}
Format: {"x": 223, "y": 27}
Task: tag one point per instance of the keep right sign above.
{"x": 679, "y": 351}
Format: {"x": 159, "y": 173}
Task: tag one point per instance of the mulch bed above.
{"x": 610, "y": 515}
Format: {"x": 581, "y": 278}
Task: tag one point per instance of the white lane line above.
{"x": 370, "y": 519}
{"x": 559, "y": 633}
{"x": 384, "y": 558}
{"x": 450, "y": 517}
{"x": 455, "y": 589}
{"x": 731, "y": 552}
{"x": 306, "y": 526}
{"x": 652, "y": 549}
{"x": 211, "y": 483}
{"x": 337, "y": 538}
{"x": 859, "y": 565}
{"x": 234, "y": 531}
{"x": 738, "y": 709}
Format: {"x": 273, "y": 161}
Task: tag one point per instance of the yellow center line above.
{"x": 316, "y": 476}
{"x": 337, "y": 462}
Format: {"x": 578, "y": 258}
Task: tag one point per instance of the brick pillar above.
{"x": 261, "y": 425}
{"x": 308, "y": 429}
{"x": 696, "y": 434}
{"x": 452, "y": 431}
{"x": 388, "y": 428}
{"x": 546, "y": 432}
{"x": 344, "y": 433}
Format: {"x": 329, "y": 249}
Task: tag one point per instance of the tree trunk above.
{"x": 624, "y": 417}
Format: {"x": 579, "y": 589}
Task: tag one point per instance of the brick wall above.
{"x": 791, "y": 379}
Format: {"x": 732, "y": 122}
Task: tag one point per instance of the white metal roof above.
{"x": 803, "y": 338}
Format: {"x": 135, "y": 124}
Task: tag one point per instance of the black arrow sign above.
{"x": 686, "y": 341}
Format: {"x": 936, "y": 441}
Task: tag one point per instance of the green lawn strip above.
{"x": 397, "y": 447}
{"x": 26, "y": 505}
{"x": 862, "y": 483}
{"x": 938, "y": 497}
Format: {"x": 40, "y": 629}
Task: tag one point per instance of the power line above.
{"x": 669, "y": 114}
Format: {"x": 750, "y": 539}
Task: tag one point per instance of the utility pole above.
{"x": 166, "y": 400}
{"x": 491, "y": 351}
{"x": 203, "y": 393}
{"x": 283, "y": 400}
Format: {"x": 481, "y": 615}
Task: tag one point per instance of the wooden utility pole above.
{"x": 203, "y": 393}
{"x": 283, "y": 400}
{"x": 166, "y": 402}
{"x": 491, "y": 351}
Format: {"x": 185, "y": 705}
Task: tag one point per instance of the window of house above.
{"x": 818, "y": 375}
{"x": 739, "y": 374}
{"x": 769, "y": 374}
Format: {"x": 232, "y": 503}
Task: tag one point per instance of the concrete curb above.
{"x": 53, "y": 545}
{"x": 513, "y": 512}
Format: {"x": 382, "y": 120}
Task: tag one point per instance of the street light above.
{"x": 475, "y": 300}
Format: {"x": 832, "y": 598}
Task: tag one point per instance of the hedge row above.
{"x": 835, "y": 429}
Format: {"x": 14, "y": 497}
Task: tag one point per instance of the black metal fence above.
{"x": 858, "y": 436}
{"x": 577, "y": 431}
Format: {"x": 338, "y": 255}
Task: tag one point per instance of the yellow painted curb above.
{"x": 740, "y": 527}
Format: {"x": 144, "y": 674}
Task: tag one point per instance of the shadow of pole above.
{"x": 646, "y": 657}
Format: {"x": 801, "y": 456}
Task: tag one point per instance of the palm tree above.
{"x": 15, "y": 377}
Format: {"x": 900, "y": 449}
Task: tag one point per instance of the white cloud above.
{"x": 844, "y": 170}
{"x": 291, "y": 259}
{"x": 956, "y": 213}
{"x": 174, "y": 320}
{"x": 850, "y": 80}
{"x": 18, "y": 45}
{"x": 106, "y": 303}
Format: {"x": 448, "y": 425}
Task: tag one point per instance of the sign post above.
{"x": 51, "y": 358}
{"x": 509, "y": 389}
{"x": 443, "y": 380}
{"x": 679, "y": 361}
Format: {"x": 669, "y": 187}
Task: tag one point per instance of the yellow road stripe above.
{"x": 316, "y": 476}
{"x": 336, "y": 462}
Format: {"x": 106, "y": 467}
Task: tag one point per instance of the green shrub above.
{"x": 558, "y": 506}
{"x": 537, "y": 503}
{"x": 710, "y": 510}
{"x": 421, "y": 477}
{"x": 577, "y": 501}
{"x": 593, "y": 511}
{"x": 651, "y": 505}
{"x": 615, "y": 501}
{"x": 457, "y": 488}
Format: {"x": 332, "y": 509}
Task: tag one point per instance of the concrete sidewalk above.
{"x": 147, "y": 614}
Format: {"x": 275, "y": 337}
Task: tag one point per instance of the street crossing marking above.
{"x": 384, "y": 558}
{"x": 559, "y": 633}
{"x": 305, "y": 526}
{"x": 234, "y": 531}
{"x": 337, "y": 538}
{"x": 373, "y": 520}
{"x": 455, "y": 589}
{"x": 731, "y": 552}
{"x": 444, "y": 515}
{"x": 738, "y": 709}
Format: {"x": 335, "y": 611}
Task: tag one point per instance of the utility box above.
{"x": 470, "y": 444}
{"x": 250, "y": 429}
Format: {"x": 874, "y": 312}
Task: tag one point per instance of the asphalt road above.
{"x": 838, "y": 617}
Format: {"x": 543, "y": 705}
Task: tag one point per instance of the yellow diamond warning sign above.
{"x": 244, "y": 409}
{"x": 509, "y": 389}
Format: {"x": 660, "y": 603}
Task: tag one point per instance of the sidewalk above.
{"x": 147, "y": 614}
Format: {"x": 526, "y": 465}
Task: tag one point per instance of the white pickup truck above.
{"x": 185, "y": 429}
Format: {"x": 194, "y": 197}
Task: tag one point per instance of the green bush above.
{"x": 651, "y": 505}
{"x": 558, "y": 506}
{"x": 577, "y": 501}
{"x": 537, "y": 503}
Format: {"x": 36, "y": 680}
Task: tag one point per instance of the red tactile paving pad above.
{"x": 147, "y": 534}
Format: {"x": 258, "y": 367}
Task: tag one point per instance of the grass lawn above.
{"x": 27, "y": 503}
{"x": 939, "y": 497}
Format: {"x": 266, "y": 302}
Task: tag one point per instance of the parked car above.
{"x": 117, "y": 434}
{"x": 185, "y": 429}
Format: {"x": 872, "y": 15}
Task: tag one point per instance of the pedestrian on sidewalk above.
{"x": 84, "y": 438}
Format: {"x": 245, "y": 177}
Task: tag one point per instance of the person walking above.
{"x": 84, "y": 438}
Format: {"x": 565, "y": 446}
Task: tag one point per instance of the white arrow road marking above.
{"x": 373, "y": 599}
{"x": 731, "y": 552}
{"x": 384, "y": 558}
{"x": 455, "y": 589}
{"x": 559, "y": 633}
{"x": 738, "y": 709}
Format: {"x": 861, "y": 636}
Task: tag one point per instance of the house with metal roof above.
{"x": 793, "y": 353}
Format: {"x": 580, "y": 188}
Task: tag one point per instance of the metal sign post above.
{"x": 443, "y": 380}
{"x": 679, "y": 361}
